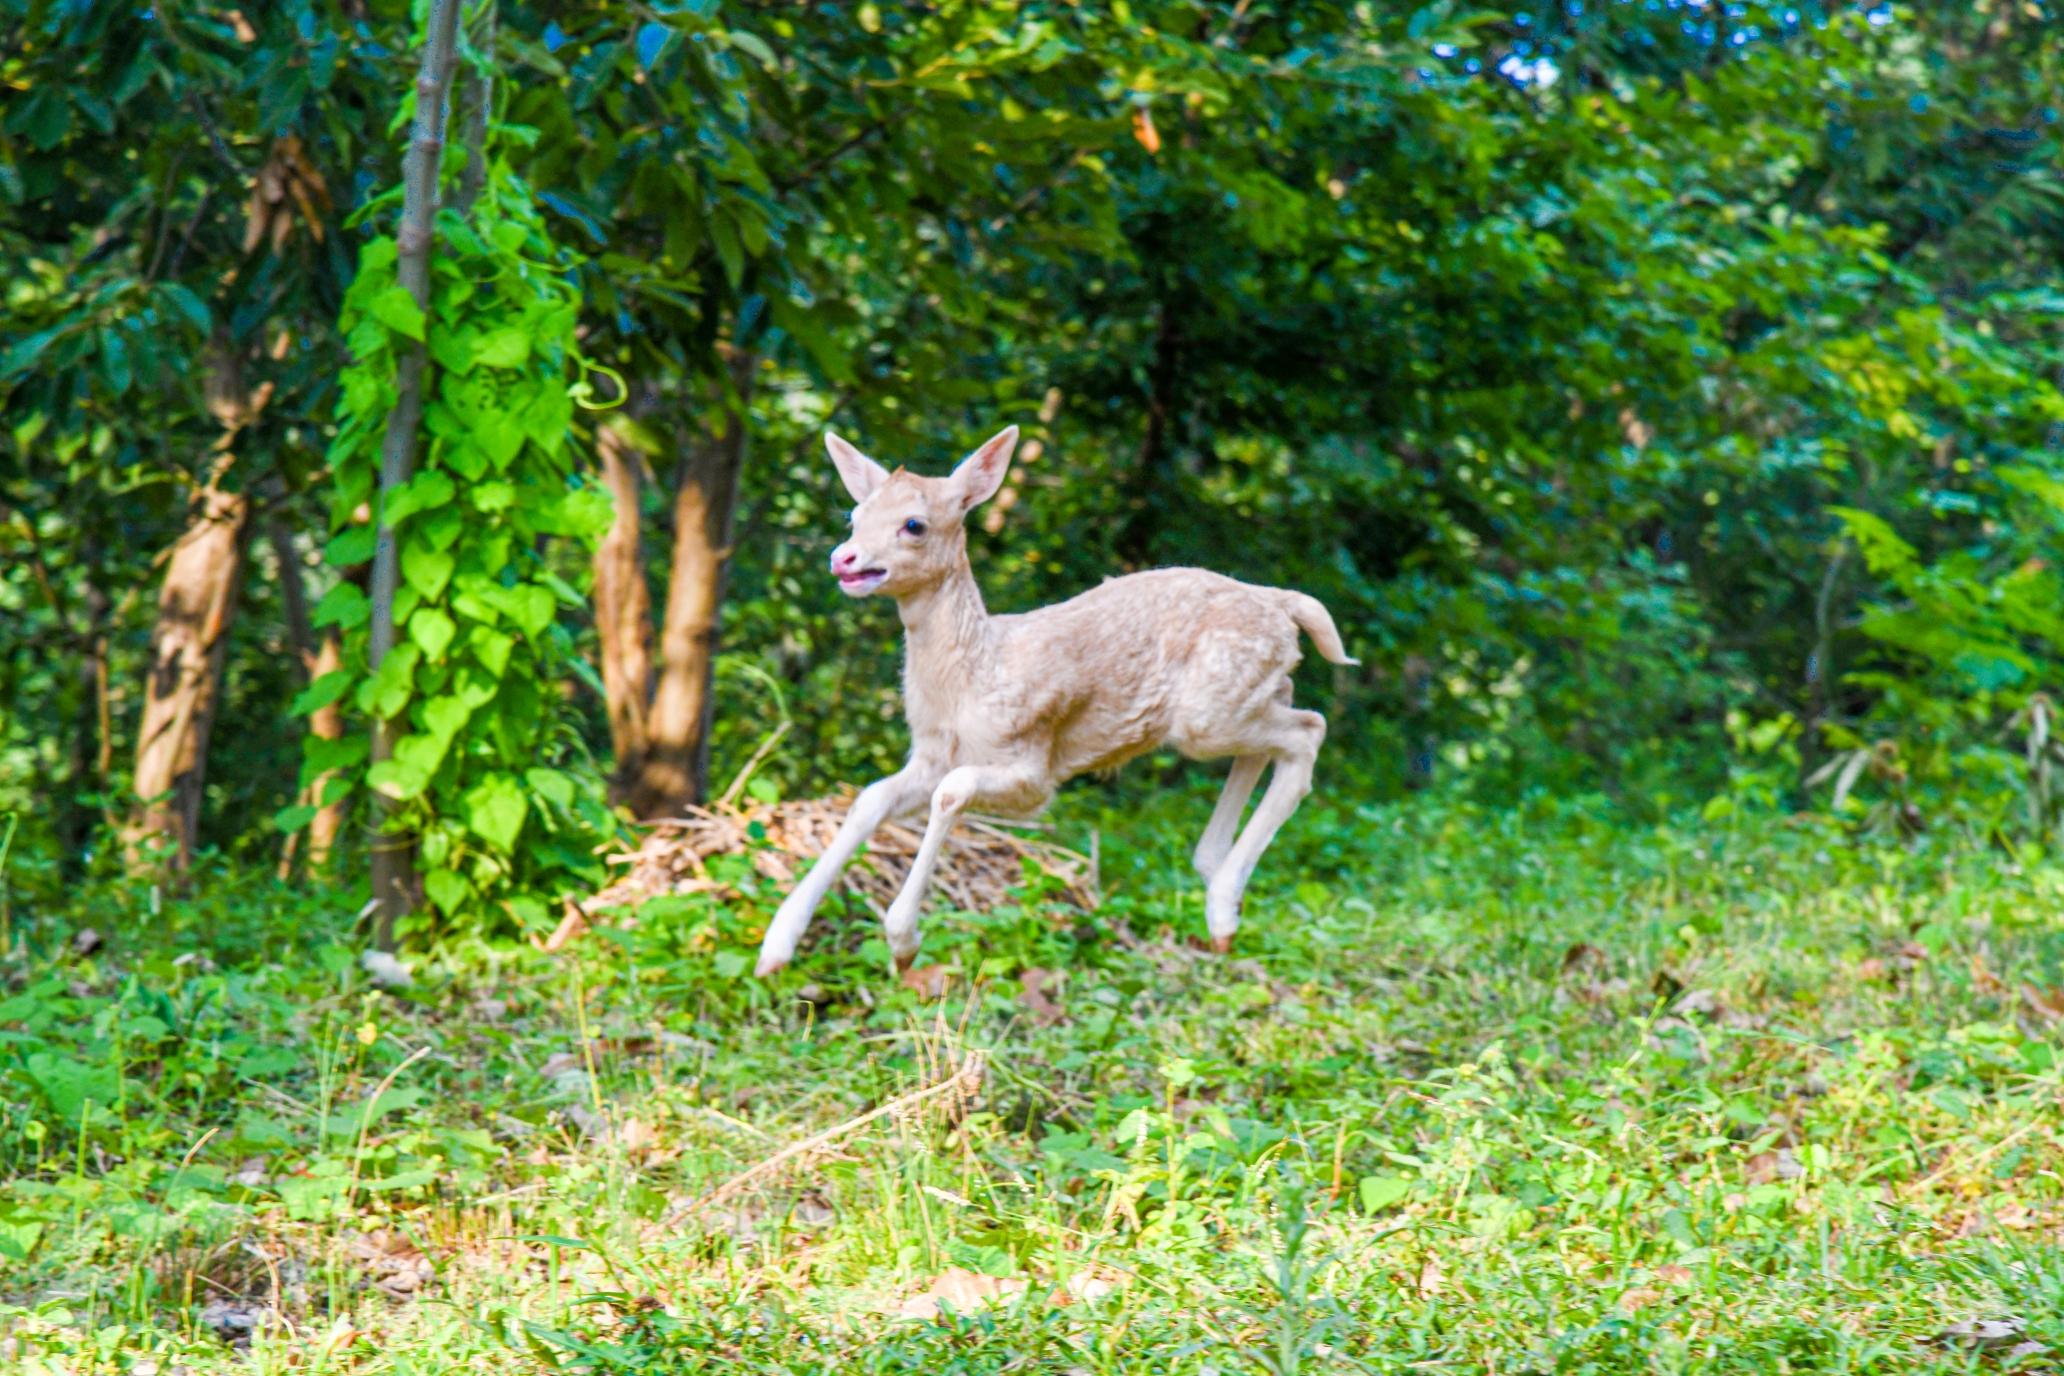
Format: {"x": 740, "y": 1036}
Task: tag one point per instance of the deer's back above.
{"x": 1146, "y": 659}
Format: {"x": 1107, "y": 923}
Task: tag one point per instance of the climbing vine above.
{"x": 487, "y": 774}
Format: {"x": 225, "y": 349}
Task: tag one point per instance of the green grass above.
{"x": 1520, "y": 1090}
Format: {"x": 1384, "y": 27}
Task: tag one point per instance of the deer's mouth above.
{"x": 861, "y": 582}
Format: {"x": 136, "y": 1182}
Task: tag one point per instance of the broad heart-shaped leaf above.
{"x": 492, "y": 647}
{"x": 473, "y": 685}
{"x": 427, "y": 570}
{"x": 493, "y": 496}
{"x": 500, "y": 435}
{"x": 433, "y": 630}
{"x": 508, "y": 347}
{"x": 551, "y": 785}
{"x": 387, "y": 691}
{"x": 426, "y": 490}
{"x": 445, "y": 714}
{"x": 441, "y": 528}
{"x": 527, "y": 604}
{"x": 289, "y": 819}
{"x": 344, "y": 605}
{"x": 466, "y": 459}
{"x": 322, "y": 692}
{"x": 415, "y": 762}
{"x": 398, "y": 311}
{"x": 494, "y": 811}
{"x": 350, "y": 547}
{"x": 448, "y": 889}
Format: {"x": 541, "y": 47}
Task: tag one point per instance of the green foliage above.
{"x": 1529, "y": 1087}
{"x": 504, "y": 798}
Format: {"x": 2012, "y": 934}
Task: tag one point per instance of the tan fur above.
{"x": 1003, "y": 709}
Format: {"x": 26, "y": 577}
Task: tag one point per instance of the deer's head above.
{"x": 909, "y": 533}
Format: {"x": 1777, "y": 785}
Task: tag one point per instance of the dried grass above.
{"x": 982, "y": 862}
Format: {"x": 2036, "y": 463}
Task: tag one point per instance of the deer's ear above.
{"x": 981, "y": 472}
{"x": 861, "y": 475}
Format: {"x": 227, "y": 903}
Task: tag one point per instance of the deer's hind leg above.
{"x": 1218, "y": 836}
{"x": 1289, "y": 738}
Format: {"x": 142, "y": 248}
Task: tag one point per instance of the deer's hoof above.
{"x": 903, "y": 963}
{"x": 1223, "y": 945}
{"x": 769, "y": 966}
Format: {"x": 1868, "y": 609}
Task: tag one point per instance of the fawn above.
{"x": 1003, "y": 709}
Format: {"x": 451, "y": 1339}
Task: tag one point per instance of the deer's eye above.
{"x": 913, "y": 526}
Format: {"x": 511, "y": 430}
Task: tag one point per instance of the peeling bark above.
{"x": 671, "y": 768}
{"x": 623, "y": 605}
{"x": 195, "y": 606}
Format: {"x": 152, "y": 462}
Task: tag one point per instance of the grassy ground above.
{"x": 1516, "y": 1091}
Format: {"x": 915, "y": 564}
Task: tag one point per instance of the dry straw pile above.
{"x": 982, "y": 861}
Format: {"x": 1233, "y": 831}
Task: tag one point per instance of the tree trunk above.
{"x": 395, "y": 886}
{"x": 195, "y": 607}
{"x": 672, "y": 768}
{"x": 623, "y": 609}
{"x": 318, "y": 657}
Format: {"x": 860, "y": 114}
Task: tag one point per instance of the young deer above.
{"x": 1003, "y": 709}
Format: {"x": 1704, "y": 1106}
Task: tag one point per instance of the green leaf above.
{"x": 550, "y": 784}
{"x": 389, "y": 689}
{"x": 448, "y": 889}
{"x": 432, "y": 629}
{"x": 1381, "y": 1191}
{"x": 494, "y": 496}
{"x": 292, "y": 819}
{"x": 427, "y": 570}
{"x": 398, "y": 311}
{"x": 428, "y": 489}
{"x": 322, "y": 692}
{"x": 508, "y": 347}
{"x": 732, "y": 964}
{"x": 494, "y": 812}
{"x": 531, "y": 607}
{"x": 343, "y": 606}
{"x": 445, "y": 715}
{"x": 492, "y": 648}
{"x": 350, "y": 547}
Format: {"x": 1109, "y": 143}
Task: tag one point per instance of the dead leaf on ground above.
{"x": 1871, "y": 970}
{"x": 1431, "y": 1277}
{"x": 2046, "y": 1004}
{"x": 1666, "y": 986}
{"x": 1639, "y": 1298}
{"x": 928, "y": 982}
{"x": 963, "y": 1290}
{"x": 1766, "y": 1166}
{"x": 1044, "y": 1010}
{"x": 1583, "y": 958}
{"x": 1982, "y": 1335}
{"x": 1674, "y": 1274}
{"x": 1086, "y": 1287}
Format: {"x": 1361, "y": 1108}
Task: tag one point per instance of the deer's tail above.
{"x": 1314, "y": 620}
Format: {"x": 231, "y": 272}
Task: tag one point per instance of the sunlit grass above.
{"x": 1531, "y": 1089}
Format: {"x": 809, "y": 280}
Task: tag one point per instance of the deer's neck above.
{"x": 946, "y": 632}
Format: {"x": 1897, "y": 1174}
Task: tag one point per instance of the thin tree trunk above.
{"x": 673, "y": 768}
{"x": 623, "y": 610}
{"x": 395, "y": 886}
{"x": 195, "y": 606}
{"x": 318, "y": 657}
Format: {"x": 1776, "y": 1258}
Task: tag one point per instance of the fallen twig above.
{"x": 962, "y": 1085}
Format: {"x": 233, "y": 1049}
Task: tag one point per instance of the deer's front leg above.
{"x": 878, "y": 802}
{"x": 1007, "y": 788}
